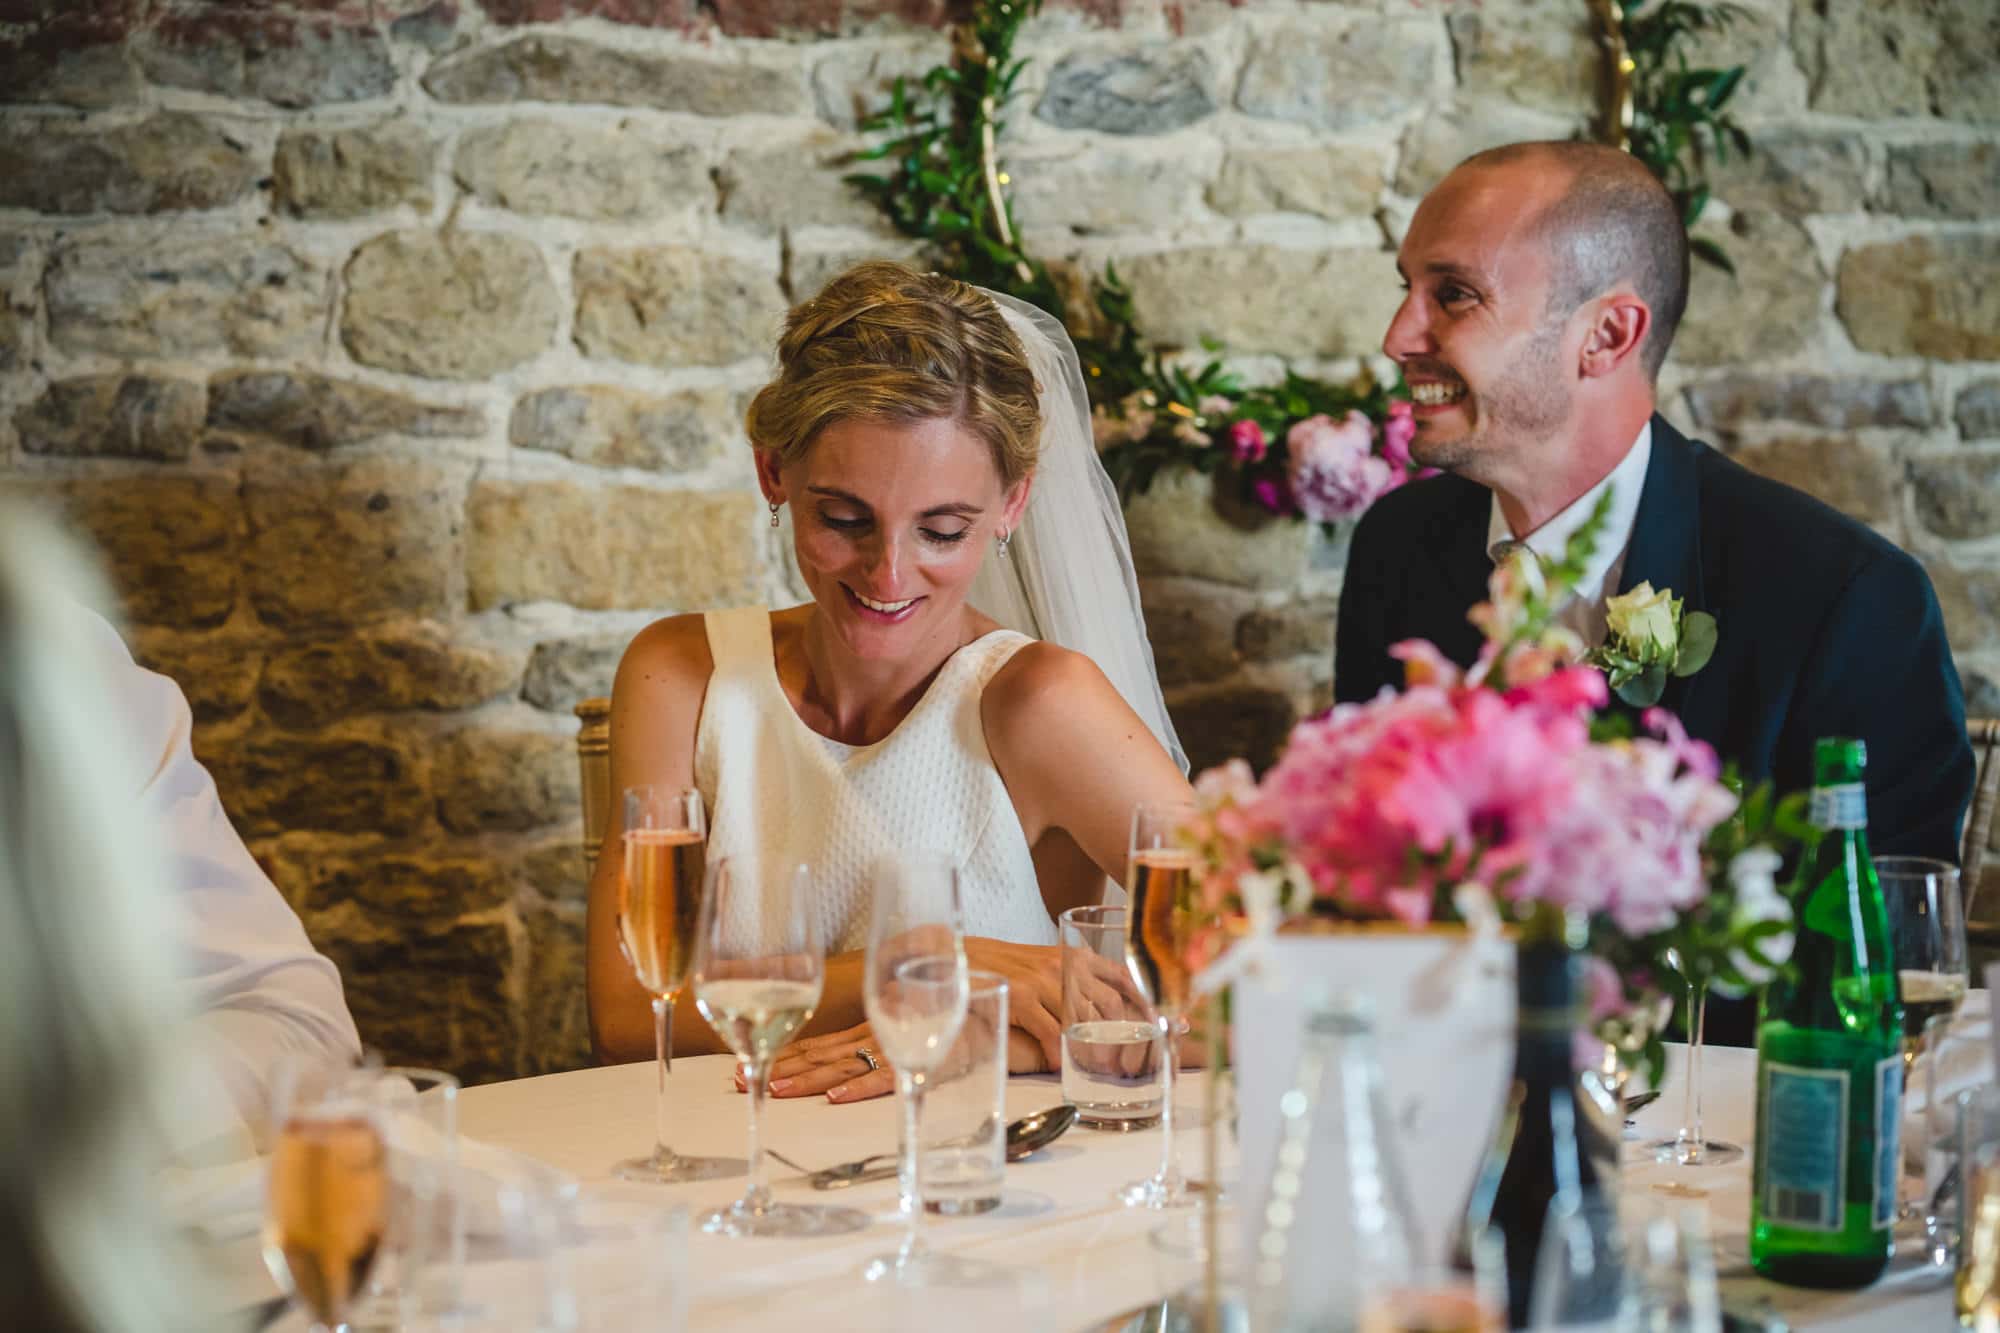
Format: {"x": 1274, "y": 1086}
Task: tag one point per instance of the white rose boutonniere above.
{"x": 1648, "y": 639}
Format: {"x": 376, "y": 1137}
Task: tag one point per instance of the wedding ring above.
{"x": 868, "y": 1058}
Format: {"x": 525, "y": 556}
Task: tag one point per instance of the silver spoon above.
{"x": 1024, "y": 1136}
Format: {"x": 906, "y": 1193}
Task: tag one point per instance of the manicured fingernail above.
{"x": 780, "y": 1084}
{"x": 838, "y": 1094}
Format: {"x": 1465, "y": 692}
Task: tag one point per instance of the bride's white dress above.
{"x": 779, "y": 793}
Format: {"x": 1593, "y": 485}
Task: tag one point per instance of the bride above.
{"x": 972, "y": 673}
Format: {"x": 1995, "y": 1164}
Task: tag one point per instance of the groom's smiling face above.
{"x": 1474, "y": 335}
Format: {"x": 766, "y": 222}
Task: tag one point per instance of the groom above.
{"x": 1544, "y": 284}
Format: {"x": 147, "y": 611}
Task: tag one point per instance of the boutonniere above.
{"x": 1648, "y": 639}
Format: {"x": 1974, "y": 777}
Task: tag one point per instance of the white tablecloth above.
{"x": 1078, "y": 1255}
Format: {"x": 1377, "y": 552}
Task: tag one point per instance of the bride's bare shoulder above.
{"x": 670, "y": 654}
{"x": 1045, "y": 684}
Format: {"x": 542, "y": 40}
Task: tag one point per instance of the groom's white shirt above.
{"x": 1584, "y": 612}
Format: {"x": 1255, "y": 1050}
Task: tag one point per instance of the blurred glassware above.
{"x": 964, "y": 1154}
{"x": 1110, "y": 1045}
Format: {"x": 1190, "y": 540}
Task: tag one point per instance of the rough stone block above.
{"x": 88, "y": 76}
{"x": 551, "y": 864}
{"x": 1958, "y": 495}
{"x": 1927, "y": 296}
{"x": 194, "y": 294}
{"x": 613, "y": 427}
{"x": 457, "y": 306}
{"x": 166, "y": 163}
{"x": 1151, "y": 89}
{"x": 334, "y": 546}
{"x": 558, "y": 1009}
{"x": 493, "y": 780}
{"x": 807, "y": 271}
{"x": 555, "y": 68}
{"x": 17, "y": 326}
{"x": 352, "y": 172}
{"x": 1538, "y": 55}
{"x": 1363, "y": 73}
{"x": 1119, "y": 186}
{"x": 308, "y": 411}
{"x": 855, "y": 82}
{"x": 1191, "y": 625}
{"x": 795, "y": 184}
{"x": 113, "y": 416}
{"x": 1325, "y": 180}
{"x": 564, "y": 672}
{"x": 361, "y": 782}
{"x": 1978, "y": 413}
{"x": 1943, "y": 180}
{"x": 1795, "y": 172}
{"x": 1301, "y": 629}
{"x": 1450, "y": 134}
{"x": 386, "y": 668}
{"x": 608, "y": 175}
{"x": 637, "y": 13}
{"x": 170, "y": 542}
{"x": 1336, "y": 303}
{"x": 671, "y": 306}
{"x": 217, "y": 672}
{"x": 285, "y": 60}
{"x": 1769, "y": 309}
{"x": 1832, "y": 402}
{"x": 1902, "y": 58}
{"x": 1970, "y": 600}
{"x": 618, "y": 547}
{"x": 1177, "y": 529}
{"x": 318, "y": 874}
{"x": 1856, "y": 478}
{"x": 1233, "y": 722}
{"x": 467, "y": 1024}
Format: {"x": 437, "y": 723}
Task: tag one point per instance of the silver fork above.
{"x": 786, "y": 1161}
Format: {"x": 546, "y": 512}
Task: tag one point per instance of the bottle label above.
{"x": 1841, "y": 806}
{"x": 1888, "y": 1120}
{"x": 1805, "y": 1147}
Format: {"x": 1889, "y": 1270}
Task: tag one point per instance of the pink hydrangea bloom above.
{"x": 1335, "y": 472}
{"x": 1247, "y": 442}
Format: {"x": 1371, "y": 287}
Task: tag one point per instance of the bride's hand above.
{"x": 832, "y": 1063}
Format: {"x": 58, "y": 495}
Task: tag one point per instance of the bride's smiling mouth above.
{"x": 887, "y": 613}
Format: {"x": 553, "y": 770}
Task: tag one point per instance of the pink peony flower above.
{"x": 1397, "y": 431}
{"x": 1273, "y": 494}
{"x": 1335, "y": 472}
{"x": 1247, "y": 442}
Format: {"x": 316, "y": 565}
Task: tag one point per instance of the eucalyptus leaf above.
{"x": 1644, "y": 690}
{"x": 1698, "y": 638}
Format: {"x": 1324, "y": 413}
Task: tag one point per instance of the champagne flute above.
{"x": 915, "y": 989}
{"x": 659, "y": 901}
{"x": 759, "y": 965}
{"x": 1927, "y": 939}
{"x": 328, "y": 1202}
{"x": 1159, "y": 877}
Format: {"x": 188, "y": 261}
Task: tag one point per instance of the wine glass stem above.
{"x": 910, "y": 1092}
{"x": 757, "y": 1197}
{"x": 663, "y": 1047}
{"x": 1169, "y": 1170}
{"x": 1691, "y": 1115}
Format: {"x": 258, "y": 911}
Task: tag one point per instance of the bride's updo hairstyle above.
{"x": 884, "y": 343}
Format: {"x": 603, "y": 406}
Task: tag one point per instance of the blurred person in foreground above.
{"x": 91, "y": 1022}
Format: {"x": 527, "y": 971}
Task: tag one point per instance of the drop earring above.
{"x": 1000, "y": 544}
{"x": 774, "y": 513}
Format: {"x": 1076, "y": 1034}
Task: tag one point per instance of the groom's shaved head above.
{"x": 1612, "y": 223}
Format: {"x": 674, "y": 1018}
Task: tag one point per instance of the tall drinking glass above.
{"x": 328, "y": 1204}
{"x": 659, "y": 903}
{"x": 758, "y": 968}
{"x": 1689, "y": 1146}
{"x": 1159, "y": 877}
{"x": 915, "y": 989}
{"x": 1110, "y": 1064}
{"x": 1927, "y": 935}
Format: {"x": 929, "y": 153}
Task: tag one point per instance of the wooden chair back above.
{"x": 593, "y": 761}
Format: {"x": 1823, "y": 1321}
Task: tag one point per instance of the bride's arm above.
{"x": 1073, "y": 754}
{"x": 655, "y": 706}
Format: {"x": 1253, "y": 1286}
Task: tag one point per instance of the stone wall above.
{"x": 394, "y": 350}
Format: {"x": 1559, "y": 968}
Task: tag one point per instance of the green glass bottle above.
{"x": 1829, "y": 1059}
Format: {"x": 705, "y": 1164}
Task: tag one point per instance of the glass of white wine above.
{"x": 1159, "y": 877}
{"x": 665, "y": 834}
{"x": 759, "y": 965}
{"x": 327, "y": 1208}
{"x": 915, "y": 989}
{"x": 1927, "y": 935}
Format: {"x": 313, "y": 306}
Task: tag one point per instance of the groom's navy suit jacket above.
{"x": 1825, "y": 628}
